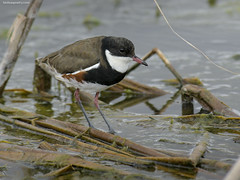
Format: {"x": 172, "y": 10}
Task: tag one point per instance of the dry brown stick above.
{"x": 31, "y": 115}
{"x": 189, "y": 80}
{"x": 114, "y": 139}
{"x": 94, "y": 141}
{"x": 120, "y": 155}
{"x": 42, "y": 157}
{"x": 185, "y": 161}
{"x": 83, "y": 147}
{"x": 181, "y": 162}
{"x": 166, "y": 62}
{"x": 53, "y": 135}
{"x": 169, "y": 66}
{"x": 202, "y": 161}
{"x": 178, "y": 161}
{"x": 132, "y": 161}
{"x": 46, "y": 146}
{"x": 34, "y": 128}
{"x": 182, "y": 174}
{"x": 59, "y": 171}
{"x": 206, "y": 116}
{"x": 20, "y": 29}
{"x": 64, "y": 127}
{"x": 172, "y": 153}
{"x": 199, "y": 150}
{"x": 19, "y": 153}
{"x": 207, "y": 100}
{"x": 148, "y": 55}
{"x": 54, "y": 124}
{"x": 210, "y": 162}
{"x": 57, "y": 125}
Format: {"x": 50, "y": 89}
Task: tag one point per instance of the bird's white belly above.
{"x": 89, "y": 87}
{"x": 83, "y": 86}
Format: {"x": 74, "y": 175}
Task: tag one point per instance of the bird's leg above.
{"x": 97, "y": 105}
{"x": 79, "y": 102}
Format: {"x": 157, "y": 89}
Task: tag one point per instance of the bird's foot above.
{"x": 90, "y": 126}
{"x": 111, "y": 131}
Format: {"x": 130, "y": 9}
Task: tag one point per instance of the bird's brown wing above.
{"x": 76, "y": 56}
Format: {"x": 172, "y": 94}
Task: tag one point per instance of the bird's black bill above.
{"x": 140, "y": 61}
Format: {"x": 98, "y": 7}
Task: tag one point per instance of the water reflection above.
{"x": 44, "y": 107}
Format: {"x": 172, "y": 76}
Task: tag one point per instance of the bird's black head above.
{"x": 118, "y": 46}
{"x": 123, "y": 48}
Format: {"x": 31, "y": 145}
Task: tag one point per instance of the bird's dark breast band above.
{"x": 104, "y": 76}
{"x": 101, "y": 76}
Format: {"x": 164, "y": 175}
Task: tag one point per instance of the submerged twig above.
{"x": 190, "y": 80}
{"x": 83, "y": 147}
{"x": 20, "y": 29}
{"x": 60, "y": 171}
{"x": 75, "y": 129}
{"x": 98, "y": 146}
{"x": 19, "y": 153}
{"x": 199, "y": 150}
{"x": 166, "y": 62}
{"x": 178, "y": 161}
{"x": 207, "y": 100}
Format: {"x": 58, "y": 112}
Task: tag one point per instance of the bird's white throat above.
{"x": 118, "y": 63}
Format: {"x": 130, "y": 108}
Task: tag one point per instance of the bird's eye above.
{"x": 122, "y": 50}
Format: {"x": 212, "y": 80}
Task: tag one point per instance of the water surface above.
{"x": 213, "y": 29}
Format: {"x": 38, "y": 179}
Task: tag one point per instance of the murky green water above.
{"x": 214, "y": 29}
